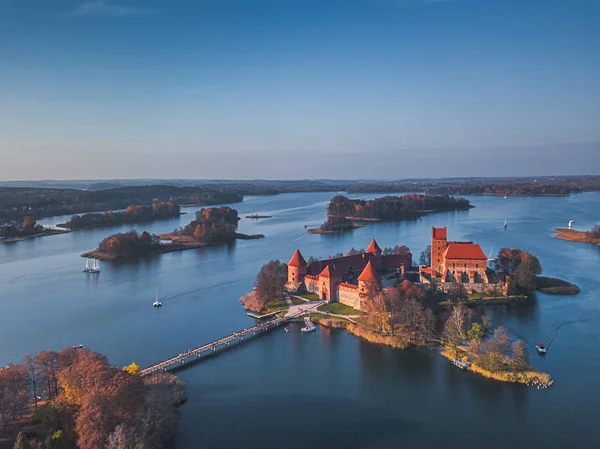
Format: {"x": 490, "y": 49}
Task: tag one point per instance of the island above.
{"x": 27, "y": 229}
{"x": 591, "y": 236}
{"x": 409, "y": 206}
{"x": 212, "y": 226}
{"x": 381, "y": 297}
{"x": 133, "y": 214}
{"x": 335, "y": 224}
{"x": 76, "y": 398}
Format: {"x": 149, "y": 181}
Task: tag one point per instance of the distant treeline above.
{"x": 394, "y": 207}
{"x": 16, "y": 203}
{"x": 133, "y": 214}
{"x": 212, "y": 225}
{"x": 485, "y": 186}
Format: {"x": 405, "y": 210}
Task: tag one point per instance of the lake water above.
{"x": 290, "y": 390}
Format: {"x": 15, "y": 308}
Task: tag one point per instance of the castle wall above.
{"x": 438, "y": 246}
{"x": 349, "y": 296}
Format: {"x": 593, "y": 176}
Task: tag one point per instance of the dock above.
{"x": 256, "y": 316}
{"x": 462, "y": 364}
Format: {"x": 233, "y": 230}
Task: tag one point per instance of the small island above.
{"x": 591, "y": 236}
{"x": 133, "y": 214}
{"x": 212, "y": 226}
{"x": 256, "y": 216}
{"x": 27, "y": 229}
{"x": 391, "y": 208}
{"x": 335, "y": 224}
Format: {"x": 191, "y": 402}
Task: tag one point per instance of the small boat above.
{"x": 505, "y": 223}
{"x": 156, "y": 302}
{"x": 87, "y": 266}
{"x": 95, "y": 267}
{"x": 286, "y": 329}
{"x": 77, "y": 346}
{"x": 541, "y": 348}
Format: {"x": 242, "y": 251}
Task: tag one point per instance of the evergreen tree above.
{"x": 22, "y": 442}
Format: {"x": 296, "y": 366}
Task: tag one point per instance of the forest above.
{"x": 394, "y": 207}
{"x": 75, "y": 399}
{"x": 133, "y": 214}
{"x": 27, "y": 227}
{"x": 212, "y": 225}
{"x": 15, "y": 203}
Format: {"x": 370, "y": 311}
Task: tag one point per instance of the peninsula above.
{"x": 335, "y": 224}
{"x": 592, "y": 236}
{"x": 27, "y": 229}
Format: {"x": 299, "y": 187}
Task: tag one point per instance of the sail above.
{"x": 96, "y": 266}
{"x": 87, "y": 264}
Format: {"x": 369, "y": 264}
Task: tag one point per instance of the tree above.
{"x": 457, "y": 323}
{"x": 270, "y": 281}
{"x": 132, "y": 369}
{"x": 57, "y": 440}
{"x": 457, "y": 292}
{"x": 22, "y": 442}
{"x": 33, "y": 373}
{"x": 525, "y": 274}
{"x": 14, "y": 394}
{"x": 425, "y": 257}
{"x": 501, "y": 341}
{"x": 475, "y": 334}
{"x": 519, "y": 356}
{"x": 252, "y": 302}
{"x": 378, "y": 315}
{"x": 29, "y": 222}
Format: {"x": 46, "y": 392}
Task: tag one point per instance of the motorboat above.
{"x": 541, "y": 348}
{"x": 309, "y": 326}
{"x": 286, "y": 329}
{"x": 156, "y": 302}
{"x": 77, "y": 346}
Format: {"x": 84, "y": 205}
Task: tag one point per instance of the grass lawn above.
{"x": 277, "y": 306}
{"x": 296, "y": 301}
{"x": 339, "y": 308}
{"x": 310, "y": 296}
{"x": 326, "y": 317}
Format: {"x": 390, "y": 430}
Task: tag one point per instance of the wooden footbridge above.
{"x": 218, "y": 345}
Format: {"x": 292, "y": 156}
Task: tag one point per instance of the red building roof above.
{"x": 373, "y": 248}
{"x": 325, "y": 273}
{"x": 464, "y": 250}
{"x": 297, "y": 260}
{"x": 344, "y": 284}
{"x": 369, "y": 274}
{"x": 439, "y": 233}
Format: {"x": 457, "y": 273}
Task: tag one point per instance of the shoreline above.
{"x": 178, "y": 243}
{"x": 527, "y": 377}
{"x": 320, "y": 231}
{"x": 49, "y": 231}
{"x": 572, "y": 235}
{"x": 108, "y": 225}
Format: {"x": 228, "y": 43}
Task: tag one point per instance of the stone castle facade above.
{"x": 345, "y": 279}
{"x": 462, "y": 262}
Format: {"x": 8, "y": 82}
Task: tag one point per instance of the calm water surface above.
{"x": 288, "y": 390}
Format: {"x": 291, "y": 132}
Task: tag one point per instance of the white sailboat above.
{"x": 490, "y": 255}
{"x": 571, "y": 223}
{"x": 87, "y": 266}
{"x": 156, "y": 302}
{"x": 505, "y": 223}
{"x": 95, "y": 267}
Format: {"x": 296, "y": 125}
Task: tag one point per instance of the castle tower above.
{"x": 374, "y": 248}
{"x": 296, "y": 271}
{"x": 368, "y": 279}
{"x": 439, "y": 243}
{"x": 326, "y": 287}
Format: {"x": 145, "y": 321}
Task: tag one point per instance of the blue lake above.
{"x": 289, "y": 390}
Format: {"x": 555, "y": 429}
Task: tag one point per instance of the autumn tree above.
{"x": 14, "y": 394}
{"x": 34, "y": 376}
{"x": 475, "y": 333}
{"x": 525, "y": 274}
{"x": 456, "y": 326}
{"x": 28, "y": 222}
{"x": 47, "y": 362}
{"x": 270, "y": 281}
{"x": 519, "y": 356}
{"x": 457, "y": 292}
{"x": 378, "y": 315}
{"x": 22, "y": 442}
{"x": 133, "y": 369}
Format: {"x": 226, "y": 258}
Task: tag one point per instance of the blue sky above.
{"x": 298, "y": 89}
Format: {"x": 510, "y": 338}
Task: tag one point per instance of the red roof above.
{"x": 369, "y": 274}
{"x": 308, "y": 276}
{"x": 464, "y": 250}
{"x": 325, "y": 273}
{"x": 297, "y": 260}
{"x": 373, "y": 247}
{"x": 343, "y": 284}
{"x": 439, "y": 233}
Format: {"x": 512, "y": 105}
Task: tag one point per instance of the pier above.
{"x": 221, "y": 344}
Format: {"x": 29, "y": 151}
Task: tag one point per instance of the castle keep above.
{"x": 462, "y": 262}
{"x": 345, "y": 279}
